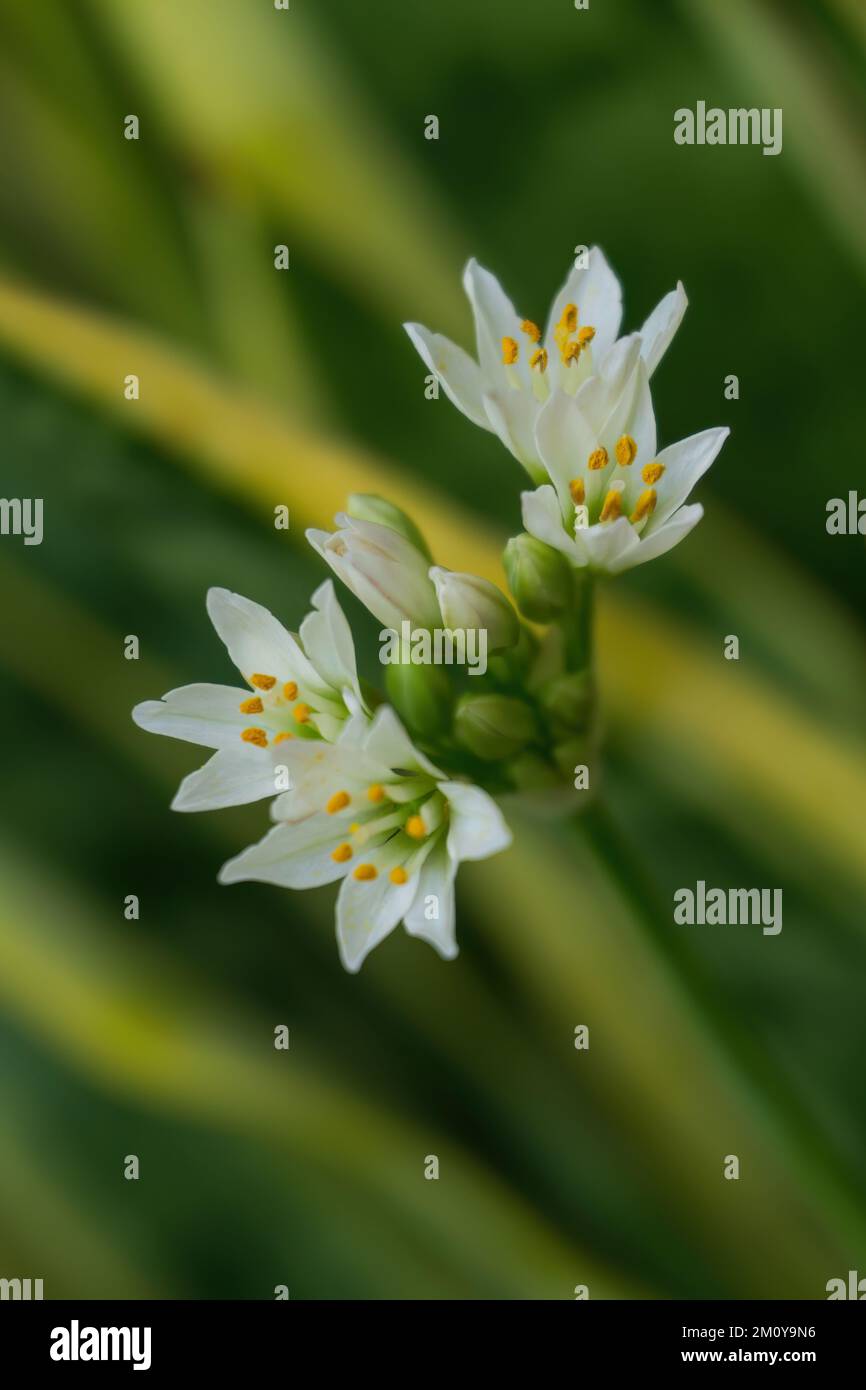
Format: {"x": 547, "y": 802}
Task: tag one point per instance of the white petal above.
{"x": 478, "y": 828}
{"x": 565, "y": 438}
{"x": 660, "y": 327}
{"x": 435, "y": 880}
{"x": 205, "y": 714}
{"x": 609, "y": 543}
{"x": 597, "y": 294}
{"x": 318, "y": 770}
{"x": 290, "y": 856}
{"x": 662, "y": 540}
{"x": 368, "y": 910}
{"x": 232, "y": 777}
{"x": 512, "y": 415}
{"x": 543, "y": 519}
{"x": 459, "y": 374}
{"x": 327, "y": 640}
{"x": 685, "y": 463}
{"x": 495, "y": 318}
{"x": 388, "y": 744}
{"x": 256, "y": 641}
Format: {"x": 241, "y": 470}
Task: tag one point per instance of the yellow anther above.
{"x": 398, "y": 875}
{"x": 290, "y": 690}
{"x": 612, "y": 506}
{"x": 415, "y": 827}
{"x": 341, "y": 853}
{"x": 365, "y": 872}
{"x": 337, "y": 802}
{"x": 531, "y": 330}
{"x": 263, "y": 682}
{"x": 646, "y": 505}
{"x": 539, "y": 359}
{"x": 651, "y": 472}
{"x": 626, "y": 450}
{"x": 281, "y": 738}
{"x": 355, "y": 827}
{"x": 510, "y": 351}
{"x": 301, "y": 713}
{"x": 253, "y": 706}
{"x": 585, "y": 335}
{"x": 597, "y": 459}
{"x": 256, "y": 736}
{"x": 578, "y": 491}
{"x": 568, "y": 321}
{"x": 375, "y": 793}
{"x": 569, "y": 352}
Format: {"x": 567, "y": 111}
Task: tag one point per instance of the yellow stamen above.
{"x": 569, "y": 352}
{"x": 365, "y": 871}
{"x": 355, "y": 827}
{"x": 626, "y": 450}
{"x": 568, "y": 321}
{"x": 398, "y": 875}
{"x": 585, "y": 335}
{"x": 578, "y": 491}
{"x": 253, "y": 706}
{"x": 531, "y": 329}
{"x": 510, "y": 351}
{"x": 597, "y": 459}
{"x": 263, "y": 682}
{"x": 612, "y": 506}
{"x": 290, "y": 690}
{"x": 539, "y": 359}
{"x": 341, "y": 853}
{"x": 652, "y": 472}
{"x": 301, "y": 713}
{"x": 256, "y": 736}
{"x": 415, "y": 827}
{"x": 375, "y": 793}
{"x": 281, "y": 738}
{"x": 337, "y": 802}
{"x": 646, "y": 505}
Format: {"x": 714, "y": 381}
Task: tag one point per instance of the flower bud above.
{"x": 539, "y": 578}
{"x": 494, "y": 726}
{"x": 422, "y": 696}
{"x": 569, "y": 699}
{"x": 382, "y": 568}
{"x": 367, "y": 506}
{"x": 465, "y": 601}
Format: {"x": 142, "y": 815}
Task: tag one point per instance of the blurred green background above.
{"x": 155, "y": 1037}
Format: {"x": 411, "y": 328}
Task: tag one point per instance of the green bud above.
{"x": 530, "y": 772}
{"x": 367, "y": 506}
{"x": 572, "y": 753}
{"x": 569, "y": 699}
{"x": 539, "y": 578}
{"x": 494, "y": 726}
{"x": 422, "y": 696}
{"x": 466, "y": 601}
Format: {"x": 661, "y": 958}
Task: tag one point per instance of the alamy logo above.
{"x": 846, "y": 517}
{"x": 75, "y": 1343}
{"x": 441, "y": 646}
{"x": 22, "y": 516}
{"x": 855, "y": 1288}
{"x": 23, "y": 1289}
{"x": 735, "y": 907}
{"x": 739, "y": 125}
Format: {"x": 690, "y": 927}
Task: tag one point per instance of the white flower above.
{"x": 382, "y": 568}
{"x": 373, "y": 811}
{"x": 519, "y": 369}
{"x": 303, "y": 688}
{"x": 614, "y": 502}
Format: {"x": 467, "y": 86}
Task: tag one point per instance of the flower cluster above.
{"x": 388, "y": 792}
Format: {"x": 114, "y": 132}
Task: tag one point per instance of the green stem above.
{"x": 577, "y": 625}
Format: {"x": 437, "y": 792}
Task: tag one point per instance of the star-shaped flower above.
{"x": 520, "y": 367}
